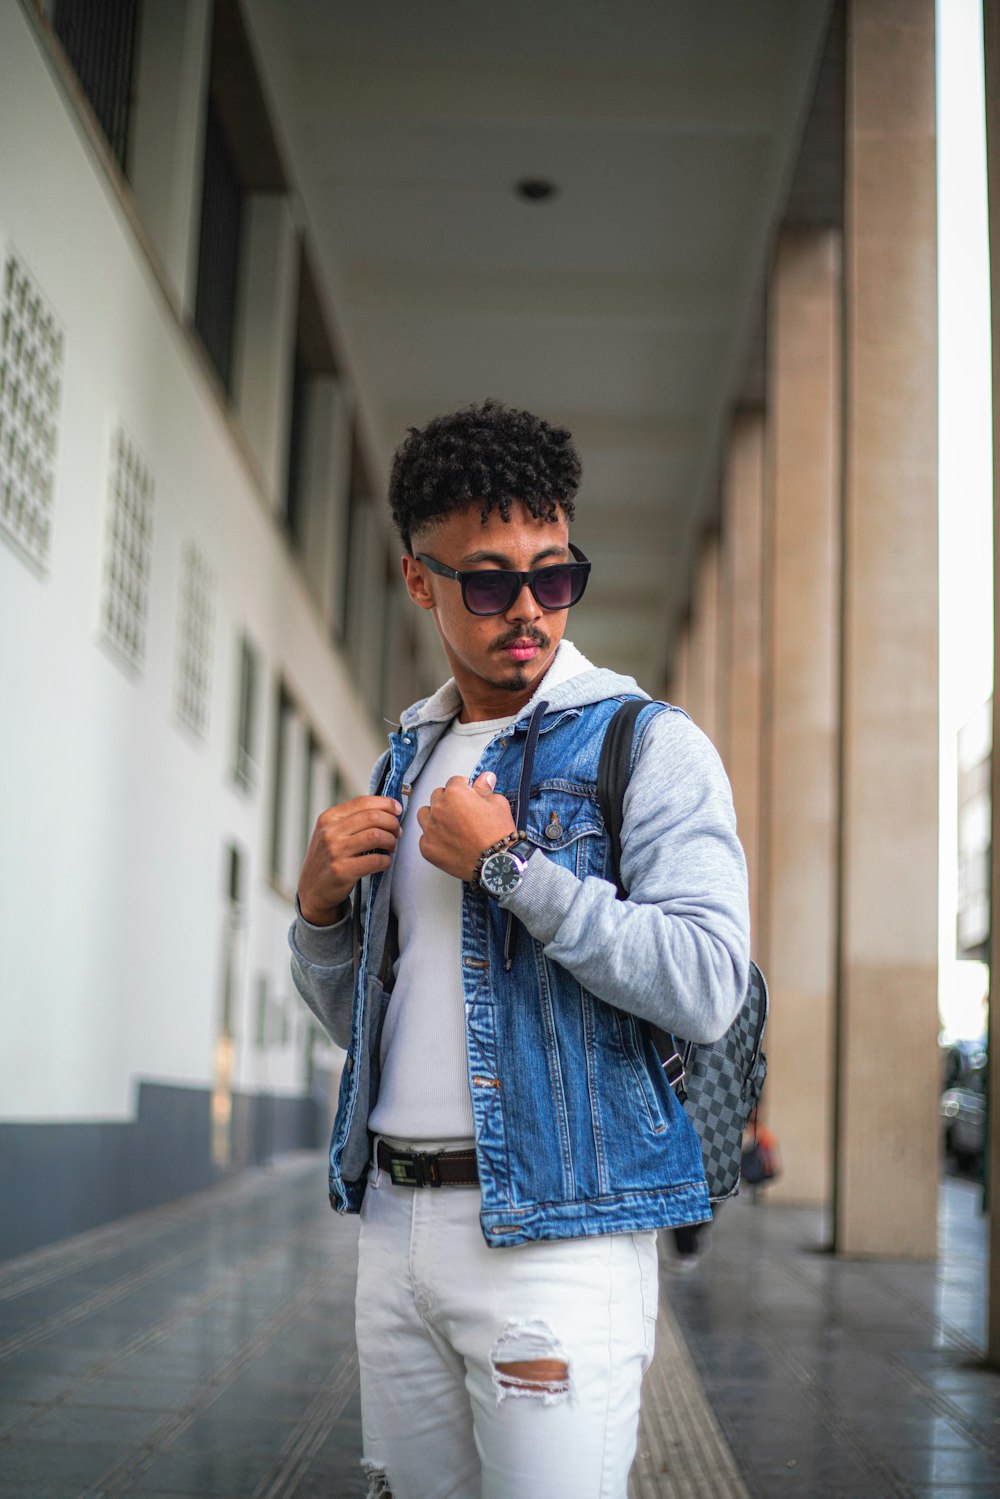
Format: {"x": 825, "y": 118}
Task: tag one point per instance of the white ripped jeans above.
{"x": 437, "y": 1310}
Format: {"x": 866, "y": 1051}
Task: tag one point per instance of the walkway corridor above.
{"x": 206, "y": 1348}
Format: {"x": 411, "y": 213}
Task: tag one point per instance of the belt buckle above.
{"x": 415, "y": 1170}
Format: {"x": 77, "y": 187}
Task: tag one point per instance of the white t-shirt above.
{"x": 424, "y": 1094}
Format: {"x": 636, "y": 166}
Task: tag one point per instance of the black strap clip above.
{"x": 675, "y": 1073}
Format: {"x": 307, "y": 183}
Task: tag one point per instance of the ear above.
{"x": 417, "y": 582}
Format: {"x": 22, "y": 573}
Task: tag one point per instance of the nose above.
{"x": 525, "y": 609}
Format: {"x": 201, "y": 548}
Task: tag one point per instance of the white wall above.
{"x": 114, "y": 818}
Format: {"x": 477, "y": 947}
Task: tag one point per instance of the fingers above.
{"x": 365, "y": 812}
{"x": 483, "y": 785}
{"x": 367, "y": 840}
{"x": 371, "y": 804}
{"x": 361, "y": 821}
{"x": 354, "y": 839}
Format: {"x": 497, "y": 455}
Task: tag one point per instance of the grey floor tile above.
{"x": 110, "y": 1429}
{"x": 942, "y": 1465}
{"x": 119, "y": 1393}
{"x": 212, "y": 1433}
{"x": 36, "y": 1466}
{"x": 207, "y": 1474}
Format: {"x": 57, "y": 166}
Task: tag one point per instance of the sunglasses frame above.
{"x": 580, "y": 561}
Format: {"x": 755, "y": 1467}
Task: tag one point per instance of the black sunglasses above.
{"x": 492, "y": 590}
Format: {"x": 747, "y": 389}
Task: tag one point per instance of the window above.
{"x": 295, "y": 485}
{"x": 351, "y": 549}
{"x": 218, "y": 249}
{"x": 245, "y": 767}
{"x": 240, "y": 158}
{"x": 314, "y": 360}
{"x": 263, "y": 1006}
{"x": 127, "y": 552}
{"x": 280, "y": 793}
{"x": 31, "y": 356}
{"x": 99, "y": 38}
{"x": 311, "y": 791}
{"x": 194, "y": 654}
{"x": 232, "y": 965}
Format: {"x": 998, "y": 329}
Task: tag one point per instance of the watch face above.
{"x": 501, "y": 874}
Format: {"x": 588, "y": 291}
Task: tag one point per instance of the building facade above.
{"x": 198, "y": 596}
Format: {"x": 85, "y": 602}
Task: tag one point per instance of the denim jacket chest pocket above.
{"x": 564, "y": 820}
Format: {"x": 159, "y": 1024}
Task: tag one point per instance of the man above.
{"x": 504, "y": 1127}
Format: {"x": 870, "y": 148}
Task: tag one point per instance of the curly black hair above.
{"x": 486, "y": 455}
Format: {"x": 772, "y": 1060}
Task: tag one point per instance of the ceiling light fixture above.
{"x": 535, "y": 189}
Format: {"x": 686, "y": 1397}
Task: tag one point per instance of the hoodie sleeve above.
{"x": 677, "y": 951}
{"x": 323, "y": 960}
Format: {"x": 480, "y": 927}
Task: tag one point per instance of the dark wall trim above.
{"x": 59, "y": 1179}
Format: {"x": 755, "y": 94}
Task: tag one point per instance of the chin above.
{"x": 516, "y": 679}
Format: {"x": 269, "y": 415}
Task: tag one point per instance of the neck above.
{"x": 483, "y": 701}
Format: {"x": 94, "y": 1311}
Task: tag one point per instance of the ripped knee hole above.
{"x": 528, "y": 1359}
{"x": 540, "y": 1371}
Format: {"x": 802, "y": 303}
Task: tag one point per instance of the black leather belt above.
{"x": 420, "y": 1168}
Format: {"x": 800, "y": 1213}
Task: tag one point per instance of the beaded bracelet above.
{"x": 517, "y": 836}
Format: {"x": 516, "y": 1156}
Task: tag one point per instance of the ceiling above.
{"x": 626, "y": 306}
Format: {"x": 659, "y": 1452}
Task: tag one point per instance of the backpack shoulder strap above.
{"x": 613, "y": 774}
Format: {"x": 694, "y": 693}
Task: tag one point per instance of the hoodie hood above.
{"x": 570, "y": 682}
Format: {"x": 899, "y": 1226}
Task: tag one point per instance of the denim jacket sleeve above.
{"x": 677, "y": 951}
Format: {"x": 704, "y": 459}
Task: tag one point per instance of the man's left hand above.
{"x": 461, "y": 821}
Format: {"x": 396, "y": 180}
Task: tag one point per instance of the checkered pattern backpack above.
{"x": 719, "y": 1082}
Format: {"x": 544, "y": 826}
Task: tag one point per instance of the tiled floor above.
{"x": 837, "y": 1379}
{"x": 207, "y": 1349}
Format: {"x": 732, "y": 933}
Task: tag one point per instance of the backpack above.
{"x": 718, "y": 1082}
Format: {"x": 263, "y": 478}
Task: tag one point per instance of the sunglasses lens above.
{"x": 489, "y": 591}
{"x": 559, "y": 587}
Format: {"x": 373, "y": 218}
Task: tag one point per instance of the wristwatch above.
{"x": 501, "y": 872}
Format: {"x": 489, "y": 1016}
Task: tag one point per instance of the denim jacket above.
{"x": 577, "y": 1130}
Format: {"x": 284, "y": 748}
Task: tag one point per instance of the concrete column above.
{"x": 703, "y": 660}
{"x": 168, "y": 134}
{"x": 743, "y": 584}
{"x": 724, "y": 647}
{"x": 991, "y": 52}
{"x": 679, "y": 666}
{"x": 887, "y": 1137}
{"x": 798, "y": 941}
{"x": 265, "y": 339}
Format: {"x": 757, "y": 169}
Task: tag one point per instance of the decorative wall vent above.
{"x": 194, "y": 646}
{"x": 127, "y": 552}
{"x": 31, "y": 359}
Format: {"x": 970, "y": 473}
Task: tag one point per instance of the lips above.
{"x": 521, "y": 650}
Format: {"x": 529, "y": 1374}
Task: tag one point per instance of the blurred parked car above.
{"x": 963, "y": 1111}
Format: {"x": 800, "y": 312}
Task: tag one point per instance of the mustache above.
{"x": 537, "y": 637}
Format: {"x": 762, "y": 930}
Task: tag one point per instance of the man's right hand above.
{"x": 350, "y": 840}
